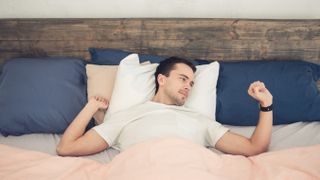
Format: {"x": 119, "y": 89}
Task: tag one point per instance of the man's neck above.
{"x": 161, "y": 99}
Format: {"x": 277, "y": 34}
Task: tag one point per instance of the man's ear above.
{"x": 161, "y": 79}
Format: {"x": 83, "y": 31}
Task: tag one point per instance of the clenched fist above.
{"x": 258, "y": 91}
{"x": 99, "y": 102}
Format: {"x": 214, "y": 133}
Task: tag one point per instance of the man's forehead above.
{"x": 182, "y": 69}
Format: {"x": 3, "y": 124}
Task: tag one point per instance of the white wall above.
{"x": 259, "y": 9}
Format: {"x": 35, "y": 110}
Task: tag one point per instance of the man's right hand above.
{"x": 98, "y": 103}
{"x": 75, "y": 142}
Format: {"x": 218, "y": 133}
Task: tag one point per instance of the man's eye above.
{"x": 183, "y": 79}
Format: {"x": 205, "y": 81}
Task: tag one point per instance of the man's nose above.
{"x": 187, "y": 86}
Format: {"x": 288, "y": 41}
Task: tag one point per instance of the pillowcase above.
{"x": 107, "y": 56}
{"x": 41, "y": 95}
{"x": 114, "y": 56}
{"x": 100, "y": 83}
{"x": 292, "y": 84}
{"x": 135, "y": 84}
{"x": 203, "y": 94}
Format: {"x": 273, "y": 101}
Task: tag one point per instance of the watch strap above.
{"x": 266, "y": 109}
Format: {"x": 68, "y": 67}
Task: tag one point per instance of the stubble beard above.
{"x": 176, "y": 100}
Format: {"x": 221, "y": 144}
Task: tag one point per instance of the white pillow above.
{"x": 203, "y": 95}
{"x": 135, "y": 84}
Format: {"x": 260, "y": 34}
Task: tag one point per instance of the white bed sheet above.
{"x": 47, "y": 143}
{"x": 283, "y": 136}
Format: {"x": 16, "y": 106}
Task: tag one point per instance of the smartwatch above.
{"x": 266, "y": 109}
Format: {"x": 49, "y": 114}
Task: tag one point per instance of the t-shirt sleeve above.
{"x": 110, "y": 129}
{"x": 214, "y": 132}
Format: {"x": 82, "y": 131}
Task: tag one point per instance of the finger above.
{"x": 251, "y": 85}
{"x": 256, "y": 89}
{"x": 250, "y": 89}
{"x": 255, "y": 84}
{"x": 261, "y": 85}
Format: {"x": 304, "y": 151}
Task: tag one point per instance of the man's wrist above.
{"x": 265, "y": 103}
{"x": 266, "y": 108}
{"x": 92, "y": 107}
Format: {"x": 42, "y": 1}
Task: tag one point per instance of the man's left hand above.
{"x": 258, "y": 91}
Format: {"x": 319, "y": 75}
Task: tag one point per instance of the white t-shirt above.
{"x": 156, "y": 120}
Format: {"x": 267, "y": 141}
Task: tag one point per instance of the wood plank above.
{"x": 37, "y": 54}
{"x": 8, "y": 30}
{"x": 222, "y": 50}
{"x": 173, "y": 29}
{"x": 10, "y": 46}
{"x": 214, "y": 39}
{"x": 234, "y": 29}
{"x": 60, "y": 46}
{"x": 79, "y": 30}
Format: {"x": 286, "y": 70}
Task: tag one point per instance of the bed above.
{"x": 238, "y": 41}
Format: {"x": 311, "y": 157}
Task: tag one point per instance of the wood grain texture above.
{"x": 211, "y": 39}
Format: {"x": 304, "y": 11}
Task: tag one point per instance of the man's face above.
{"x": 177, "y": 85}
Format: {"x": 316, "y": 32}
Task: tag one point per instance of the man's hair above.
{"x": 167, "y": 65}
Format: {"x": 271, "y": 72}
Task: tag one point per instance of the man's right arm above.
{"x": 74, "y": 141}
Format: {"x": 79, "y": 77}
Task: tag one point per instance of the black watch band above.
{"x": 266, "y": 109}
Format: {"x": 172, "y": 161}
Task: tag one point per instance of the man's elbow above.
{"x": 257, "y": 150}
{"x": 63, "y": 151}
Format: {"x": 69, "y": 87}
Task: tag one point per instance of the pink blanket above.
{"x": 163, "y": 159}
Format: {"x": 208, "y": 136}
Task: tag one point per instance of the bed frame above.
{"x": 210, "y": 39}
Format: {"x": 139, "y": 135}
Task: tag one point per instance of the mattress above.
{"x": 283, "y": 137}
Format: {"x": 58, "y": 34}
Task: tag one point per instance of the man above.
{"x": 164, "y": 116}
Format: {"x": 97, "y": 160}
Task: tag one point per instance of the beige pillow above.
{"x": 100, "y": 83}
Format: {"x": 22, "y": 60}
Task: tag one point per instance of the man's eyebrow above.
{"x": 184, "y": 76}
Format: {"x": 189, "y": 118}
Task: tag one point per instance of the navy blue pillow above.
{"x": 41, "y": 95}
{"x": 201, "y": 62}
{"x": 107, "y": 56}
{"x": 114, "y": 56}
{"x": 292, "y": 84}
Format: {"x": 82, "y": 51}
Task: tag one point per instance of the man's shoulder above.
{"x": 140, "y": 108}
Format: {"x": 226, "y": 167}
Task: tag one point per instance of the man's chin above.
{"x": 180, "y": 103}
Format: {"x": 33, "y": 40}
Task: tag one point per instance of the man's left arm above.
{"x": 259, "y": 141}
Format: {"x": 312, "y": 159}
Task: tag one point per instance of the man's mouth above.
{"x": 185, "y": 93}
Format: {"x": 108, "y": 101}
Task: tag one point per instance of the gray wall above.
{"x": 258, "y": 9}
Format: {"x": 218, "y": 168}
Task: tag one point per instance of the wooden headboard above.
{"x": 211, "y": 39}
